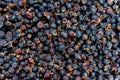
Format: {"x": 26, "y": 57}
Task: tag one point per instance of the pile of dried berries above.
{"x": 59, "y": 39}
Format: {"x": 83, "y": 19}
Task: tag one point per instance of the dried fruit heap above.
{"x": 60, "y": 39}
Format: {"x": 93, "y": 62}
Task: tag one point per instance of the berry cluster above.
{"x": 59, "y": 39}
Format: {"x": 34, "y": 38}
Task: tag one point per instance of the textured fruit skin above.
{"x": 59, "y": 40}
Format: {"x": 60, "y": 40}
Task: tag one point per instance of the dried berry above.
{"x": 59, "y": 40}
{"x": 18, "y": 51}
{"x": 2, "y": 34}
